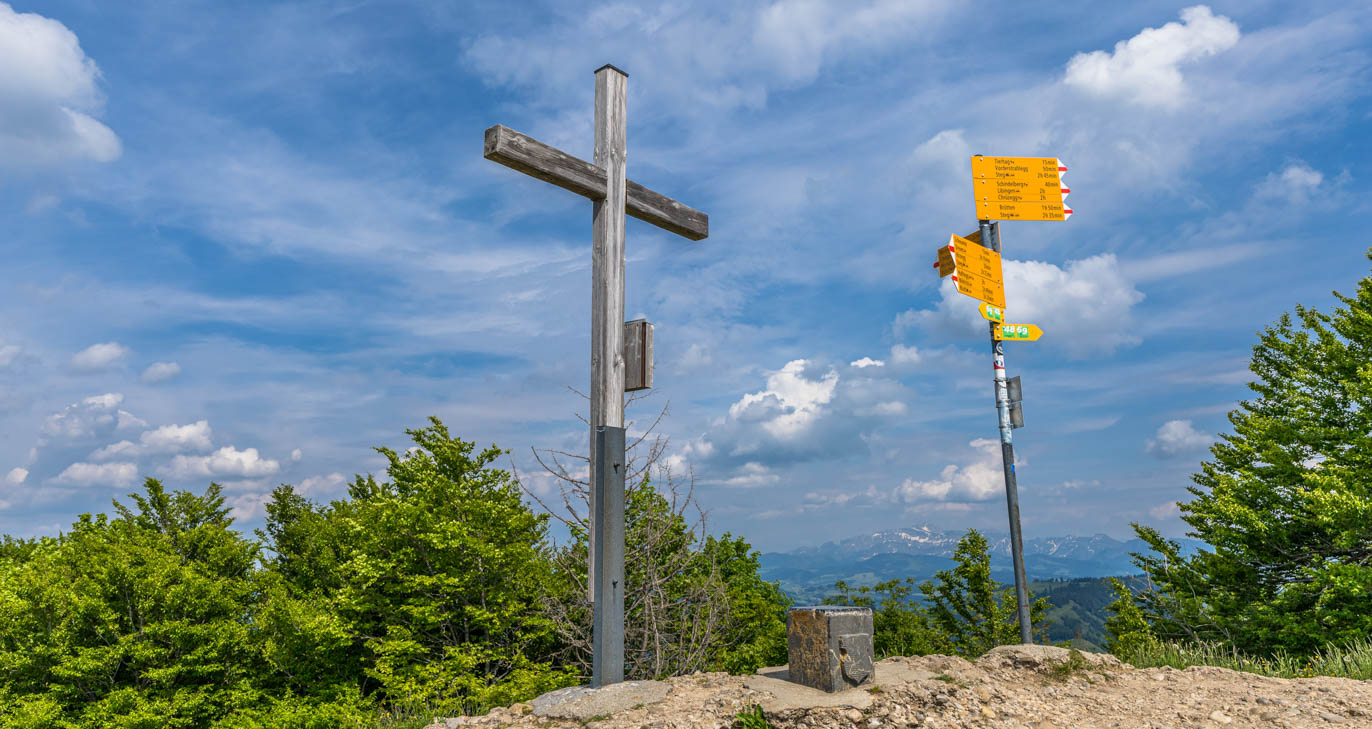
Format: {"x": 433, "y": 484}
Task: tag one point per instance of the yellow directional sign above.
{"x": 1000, "y": 210}
{"x": 946, "y": 266}
{"x": 1019, "y": 188}
{"x": 992, "y": 313}
{"x": 976, "y": 270}
{"x": 1018, "y": 333}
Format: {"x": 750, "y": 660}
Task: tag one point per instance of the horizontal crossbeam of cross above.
{"x": 536, "y": 159}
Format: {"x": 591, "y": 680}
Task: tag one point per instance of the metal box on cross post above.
{"x": 638, "y": 355}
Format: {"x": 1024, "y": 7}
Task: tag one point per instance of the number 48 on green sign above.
{"x": 1018, "y": 333}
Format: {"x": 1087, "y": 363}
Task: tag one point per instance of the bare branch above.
{"x": 675, "y": 603}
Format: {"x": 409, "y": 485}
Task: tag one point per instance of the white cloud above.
{"x": 797, "y": 35}
{"x": 1084, "y": 308}
{"x": 165, "y": 439}
{"x": 102, "y": 474}
{"x": 791, "y": 401}
{"x": 866, "y": 362}
{"x": 17, "y": 475}
{"x": 1146, "y": 69}
{"x": 129, "y": 421}
{"x": 296, "y": 455}
{"x": 160, "y": 372}
{"x": 227, "y": 461}
{"x": 904, "y": 355}
{"x": 722, "y": 57}
{"x": 806, "y": 412}
{"x": 176, "y": 438}
{"x": 750, "y": 475}
{"x": 123, "y": 448}
{"x": 1176, "y": 437}
{"x": 317, "y": 485}
{"x": 81, "y": 420}
{"x": 246, "y": 506}
{"x": 824, "y": 499}
{"x": 981, "y": 479}
{"x": 48, "y": 91}
{"x": 1165, "y": 510}
{"x": 1186, "y": 262}
{"x": 99, "y": 356}
{"x": 1296, "y": 184}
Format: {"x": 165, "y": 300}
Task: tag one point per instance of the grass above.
{"x": 1353, "y": 660}
{"x": 752, "y": 718}
{"x": 951, "y": 679}
{"x": 1075, "y": 663}
{"x": 413, "y": 716}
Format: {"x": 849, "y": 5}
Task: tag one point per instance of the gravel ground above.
{"x": 1020, "y": 687}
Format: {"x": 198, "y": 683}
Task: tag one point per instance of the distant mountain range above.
{"x": 809, "y": 573}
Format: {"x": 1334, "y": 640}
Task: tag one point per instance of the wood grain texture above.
{"x": 607, "y": 252}
{"x": 536, "y": 159}
{"x": 638, "y": 355}
{"x": 607, "y": 347}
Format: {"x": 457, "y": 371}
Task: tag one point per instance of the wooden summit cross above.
{"x": 613, "y": 196}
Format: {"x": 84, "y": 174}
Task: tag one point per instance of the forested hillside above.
{"x": 435, "y": 591}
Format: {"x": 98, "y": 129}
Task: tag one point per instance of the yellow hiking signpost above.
{"x": 975, "y": 270}
{"x": 1019, "y": 188}
{"x": 992, "y": 313}
{"x": 1017, "y": 333}
{"x": 1005, "y": 188}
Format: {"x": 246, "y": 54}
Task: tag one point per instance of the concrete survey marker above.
{"x": 829, "y": 647}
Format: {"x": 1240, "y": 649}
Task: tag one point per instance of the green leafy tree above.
{"x": 973, "y": 612}
{"x": 754, "y": 633}
{"x": 432, "y": 581}
{"x": 900, "y": 624}
{"x": 16, "y": 551}
{"x": 1285, "y": 504}
{"x": 1126, "y": 625}
{"x": 140, "y": 620}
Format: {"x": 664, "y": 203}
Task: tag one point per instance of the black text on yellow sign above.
{"x": 976, "y": 270}
{"x": 1019, "y": 188}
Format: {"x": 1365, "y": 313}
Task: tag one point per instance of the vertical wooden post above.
{"x": 605, "y": 574}
{"x": 607, "y": 276}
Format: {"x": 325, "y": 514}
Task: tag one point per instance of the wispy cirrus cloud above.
{"x": 99, "y": 356}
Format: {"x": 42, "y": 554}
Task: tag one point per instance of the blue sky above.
{"x": 247, "y": 242}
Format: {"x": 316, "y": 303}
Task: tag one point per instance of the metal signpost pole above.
{"x": 990, "y": 237}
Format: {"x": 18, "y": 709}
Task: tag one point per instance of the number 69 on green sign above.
{"x": 1018, "y": 333}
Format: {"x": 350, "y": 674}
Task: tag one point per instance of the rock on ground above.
{"x": 1012, "y": 687}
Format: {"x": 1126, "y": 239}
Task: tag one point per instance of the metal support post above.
{"x": 607, "y": 662}
{"x": 1007, "y": 453}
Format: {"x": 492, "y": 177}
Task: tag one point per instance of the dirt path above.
{"x": 1021, "y": 687}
